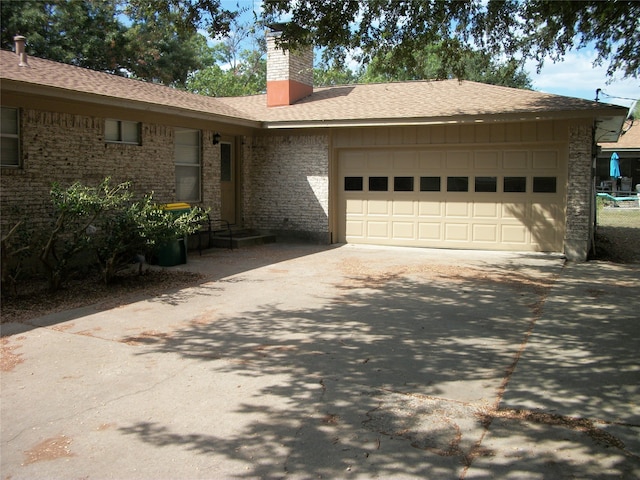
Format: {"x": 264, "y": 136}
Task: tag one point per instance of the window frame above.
{"x": 119, "y": 124}
{"x": 226, "y": 175}
{"x": 13, "y": 136}
{"x": 184, "y": 165}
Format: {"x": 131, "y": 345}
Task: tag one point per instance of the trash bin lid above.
{"x": 176, "y": 206}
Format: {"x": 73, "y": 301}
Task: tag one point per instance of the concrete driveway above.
{"x": 305, "y": 362}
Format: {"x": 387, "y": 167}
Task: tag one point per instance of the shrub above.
{"x": 108, "y": 221}
{"x": 75, "y": 210}
{"x": 138, "y": 229}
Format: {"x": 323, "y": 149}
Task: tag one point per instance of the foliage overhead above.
{"x": 536, "y": 29}
{"x": 428, "y": 64}
{"x": 154, "y": 40}
{"x": 238, "y": 65}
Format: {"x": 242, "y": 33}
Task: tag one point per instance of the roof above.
{"x": 400, "y": 103}
{"x": 67, "y": 80}
{"x": 630, "y": 140}
{"x": 415, "y": 100}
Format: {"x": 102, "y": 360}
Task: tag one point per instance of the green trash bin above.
{"x": 174, "y": 252}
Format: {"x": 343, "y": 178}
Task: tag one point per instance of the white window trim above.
{"x": 120, "y": 123}
{"x": 192, "y": 165}
{"x": 13, "y": 136}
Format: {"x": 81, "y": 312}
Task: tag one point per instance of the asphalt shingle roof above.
{"x": 410, "y": 100}
{"x": 630, "y": 140}
{"x": 401, "y": 102}
{"x": 83, "y": 80}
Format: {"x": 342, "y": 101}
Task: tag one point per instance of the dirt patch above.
{"x": 617, "y": 245}
{"x": 49, "y": 449}
{"x": 33, "y": 299}
{"x": 583, "y": 425}
{"x": 8, "y": 359}
{"x": 146, "y": 338}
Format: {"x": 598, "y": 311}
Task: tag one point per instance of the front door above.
{"x": 227, "y": 182}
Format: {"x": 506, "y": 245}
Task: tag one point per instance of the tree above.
{"x": 83, "y": 33}
{"x": 427, "y": 64}
{"x": 333, "y": 73}
{"x": 154, "y": 40}
{"x": 161, "y": 54}
{"x": 238, "y": 65}
{"x": 514, "y": 28}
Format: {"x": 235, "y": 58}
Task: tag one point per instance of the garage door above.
{"x": 481, "y": 198}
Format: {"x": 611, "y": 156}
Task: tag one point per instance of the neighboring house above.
{"x": 443, "y": 164}
{"x": 628, "y": 150}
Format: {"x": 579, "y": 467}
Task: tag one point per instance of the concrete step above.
{"x": 240, "y": 238}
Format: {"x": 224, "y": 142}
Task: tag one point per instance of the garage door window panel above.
{"x": 429, "y": 184}
{"x": 515, "y": 184}
{"x": 544, "y": 184}
{"x": 457, "y": 184}
{"x": 403, "y": 184}
{"x": 486, "y": 184}
{"x": 378, "y": 184}
{"x": 353, "y": 184}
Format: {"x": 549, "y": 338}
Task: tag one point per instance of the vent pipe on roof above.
{"x": 20, "y": 43}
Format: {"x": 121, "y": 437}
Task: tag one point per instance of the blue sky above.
{"x": 575, "y": 76}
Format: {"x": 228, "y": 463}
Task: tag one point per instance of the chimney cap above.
{"x": 277, "y": 26}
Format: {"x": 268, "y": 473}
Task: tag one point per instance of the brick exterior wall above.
{"x": 67, "y": 148}
{"x": 288, "y": 65}
{"x": 580, "y": 196}
{"x": 286, "y": 186}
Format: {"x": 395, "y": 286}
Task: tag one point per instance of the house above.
{"x": 628, "y": 150}
{"x": 445, "y": 164}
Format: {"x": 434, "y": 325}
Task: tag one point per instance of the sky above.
{"x": 575, "y": 76}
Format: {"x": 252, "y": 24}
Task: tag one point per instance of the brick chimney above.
{"x": 21, "y": 51}
{"x": 289, "y": 73}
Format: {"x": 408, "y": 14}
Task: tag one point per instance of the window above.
{"x": 378, "y": 184}
{"x": 226, "y": 174}
{"x": 353, "y": 184}
{"x": 429, "y": 184}
{"x": 403, "y": 184}
{"x": 515, "y": 184}
{"x": 486, "y": 184}
{"x": 120, "y": 131}
{"x": 187, "y": 160}
{"x": 10, "y": 138}
{"x": 457, "y": 184}
{"x": 544, "y": 184}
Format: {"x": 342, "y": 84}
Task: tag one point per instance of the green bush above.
{"x": 138, "y": 229}
{"x": 108, "y": 221}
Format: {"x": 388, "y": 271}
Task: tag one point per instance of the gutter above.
{"x": 445, "y": 120}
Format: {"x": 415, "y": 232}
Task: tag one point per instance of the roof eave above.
{"x": 607, "y": 115}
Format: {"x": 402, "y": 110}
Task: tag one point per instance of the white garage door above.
{"x": 481, "y": 198}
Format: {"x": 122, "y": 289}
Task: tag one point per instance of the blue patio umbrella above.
{"x": 614, "y": 166}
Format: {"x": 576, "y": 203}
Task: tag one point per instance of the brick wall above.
{"x": 67, "y": 148}
{"x": 580, "y": 197}
{"x": 286, "y": 185}
{"x": 288, "y": 65}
